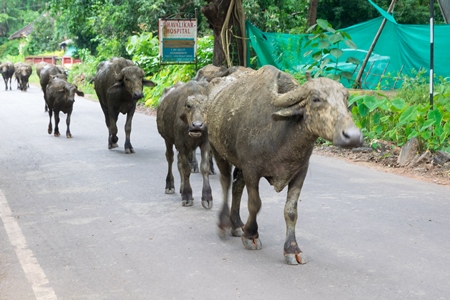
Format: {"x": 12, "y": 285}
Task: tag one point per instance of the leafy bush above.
{"x": 10, "y": 48}
{"x": 326, "y": 51}
{"x": 398, "y": 120}
{"x": 144, "y": 50}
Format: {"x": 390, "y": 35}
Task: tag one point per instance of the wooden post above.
{"x": 357, "y": 83}
{"x": 431, "y": 52}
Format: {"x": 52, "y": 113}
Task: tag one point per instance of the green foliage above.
{"x": 345, "y": 13}
{"x": 325, "y": 43}
{"x": 286, "y": 16}
{"x": 167, "y": 76}
{"x": 10, "y": 48}
{"x": 43, "y": 37}
{"x": 144, "y": 51}
{"x": 401, "y": 118}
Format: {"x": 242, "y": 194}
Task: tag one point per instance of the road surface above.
{"x": 79, "y": 221}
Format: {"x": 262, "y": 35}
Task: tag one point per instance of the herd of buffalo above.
{"x": 261, "y": 122}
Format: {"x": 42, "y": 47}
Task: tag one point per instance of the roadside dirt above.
{"x": 386, "y": 161}
{"x": 383, "y": 159}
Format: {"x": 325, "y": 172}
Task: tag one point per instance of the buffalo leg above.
{"x": 105, "y": 112}
{"x": 250, "y": 237}
{"x": 128, "y": 148}
{"x": 113, "y": 139}
{"x": 170, "y": 184}
{"x": 50, "y": 127}
{"x": 68, "y": 134}
{"x": 211, "y": 164}
{"x": 207, "y": 200}
{"x": 56, "y": 132}
{"x": 236, "y": 195}
{"x": 184, "y": 167}
{"x": 225, "y": 182}
{"x": 292, "y": 253}
{"x": 45, "y": 101}
{"x": 193, "y": 161}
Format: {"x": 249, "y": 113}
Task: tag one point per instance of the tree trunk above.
{"x": 312, "y": 12}
{"x": 227, "y": 20}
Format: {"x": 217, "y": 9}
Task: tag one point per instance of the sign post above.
{"x": 178, "y": 41}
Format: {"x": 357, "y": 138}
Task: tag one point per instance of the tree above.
{"x": 312, "y": 12}
{"x": 227, "y": 20}
{"x": 16, "y": 14}
{"x": 345, "y": 13}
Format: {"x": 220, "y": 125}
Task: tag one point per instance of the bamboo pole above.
{"x": 357, "y": 83}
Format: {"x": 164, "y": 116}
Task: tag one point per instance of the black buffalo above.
{"x": 7, "y": 69}
{"x": 118, "y": 84}
{"x": 60, "y": 98}
{"x": 47, "y": 73}
{"x": 22, "y": 73}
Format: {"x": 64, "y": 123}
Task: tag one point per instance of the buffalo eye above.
{"x": 316, "y": 100}
{"x": 188, "y": 106}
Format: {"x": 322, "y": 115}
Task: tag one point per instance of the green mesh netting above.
{"x": 401, "y": 49}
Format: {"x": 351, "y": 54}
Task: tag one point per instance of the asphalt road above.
{"x": 79, "y": 221}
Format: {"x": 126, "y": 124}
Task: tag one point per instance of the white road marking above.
{"x": 30, "y": 265}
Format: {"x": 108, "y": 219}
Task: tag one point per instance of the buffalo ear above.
{"x": 288, "y": 113}
{"x": 116, "y": 87}
{"x": 79, "y": 93}
{"x": 148, "y": 83}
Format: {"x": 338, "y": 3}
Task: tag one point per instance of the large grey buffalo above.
{"x": 181, "y": 122}
{"x": 265, "y": 124}
{"x": 7, "y": 69}
{"x": 118, "y": 84}
{"x": 60, "y": 97}
{"x": 22, "y": 73}
{"x": 47, "y": 73}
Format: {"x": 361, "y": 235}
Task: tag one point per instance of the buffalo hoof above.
{"x": 251, "y": 244}
{"x": 223, "y": 232}
{"x": 57, "y": 134}
{"x": 187, "y": 202}
{"x": 111, "y": 146}
{"x": 208, "y": 204}
{"x": 68, "y": 135}
{"x": 129, "y": 150}
{"x": 237, "y": 232}
{"x": 194, "y": 168}
{"x": 295, "y": 259}
{"x": 170, "y": 191}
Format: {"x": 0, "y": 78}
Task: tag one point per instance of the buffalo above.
{"x": 60, "y": 97}
{"x": 7, "y": 69}
{"x": 265, "y": 124}
{"x": 22, "y": 73}
{"x": 46, "y": 74}
{"x": 207, "y": 73}
{"x": 181, "y": 122}
{"x": 118, "y": 84}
